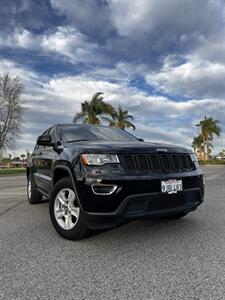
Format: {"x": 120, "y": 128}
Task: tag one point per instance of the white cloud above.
{"x": 20, "y": 38}
{"x": 128, "y": 16}
{"x": 30, "y": 78}
{"x": 66, "y": 41}
{"x": 172, "y": 16}
{"x": 140, "y": 31}
{"x": 193, "y": 78}
{"x": 69, "y": 42}
{"x": 212, "y": 48}
{"x": 145, "y": 31}
{"x": 56, "y": 100}
{"x": 164, "y": 135}
{"x": 89, "y": 15}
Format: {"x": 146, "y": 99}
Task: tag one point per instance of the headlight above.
{"x": 99, "y": 159}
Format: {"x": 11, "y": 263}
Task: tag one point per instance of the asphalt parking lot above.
{"x": 153, "y": 259}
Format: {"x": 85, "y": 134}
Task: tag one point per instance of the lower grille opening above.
{"x": 147, "y": 204}
{"x": 165, "y": 202}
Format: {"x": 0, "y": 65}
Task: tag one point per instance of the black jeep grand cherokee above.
{"x": 98, "y": 177}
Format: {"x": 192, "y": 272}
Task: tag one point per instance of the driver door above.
{"x": 43, "y": 157}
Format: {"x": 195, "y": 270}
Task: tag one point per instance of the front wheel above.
{"x": 65, "y": 213}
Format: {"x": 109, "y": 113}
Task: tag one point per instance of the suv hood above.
{"x": 126, "y": 147}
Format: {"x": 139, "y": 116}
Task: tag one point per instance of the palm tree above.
{"x": 197, "y": 145}
{"x": 209, "y": 128}
{"x": 121, "y": 119}
{"x": 93, "y": 111}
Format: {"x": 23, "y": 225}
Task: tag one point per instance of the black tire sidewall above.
{"x": 36, "y": 196}
{"x": 80, "y": 229}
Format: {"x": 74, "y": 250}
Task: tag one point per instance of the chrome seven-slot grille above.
{"x": 157, "y": 162}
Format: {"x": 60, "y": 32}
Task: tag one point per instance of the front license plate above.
{"x": 171, "y": 186}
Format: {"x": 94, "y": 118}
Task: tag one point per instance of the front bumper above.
{"x": 136, "y": 198}
{"x": 146, "y": 205}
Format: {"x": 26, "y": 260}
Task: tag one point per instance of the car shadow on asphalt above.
{"x": 143, "y": 229}
{"x": 150, "y": 228}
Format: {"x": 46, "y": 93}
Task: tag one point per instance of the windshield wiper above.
{"x": 72, "y": 141}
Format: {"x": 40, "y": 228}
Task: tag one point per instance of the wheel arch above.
{"x": 60, "y": 172}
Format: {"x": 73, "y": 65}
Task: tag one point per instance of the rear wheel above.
{"x": 33, "y": 195}
{"x": 65, "y": 213}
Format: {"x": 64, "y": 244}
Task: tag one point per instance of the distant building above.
{"x": 13, "y": 164}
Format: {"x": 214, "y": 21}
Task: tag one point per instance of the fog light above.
{"x": 103, "y": 189}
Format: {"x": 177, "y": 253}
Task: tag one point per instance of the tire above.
{"x": 177, "y": 216}
{"x": 33, "y": 195}
{"x": 65, "y": 213}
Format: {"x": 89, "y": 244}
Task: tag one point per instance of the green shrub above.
{"x": 212, "y": 162}
{"x": 12, "y": 171}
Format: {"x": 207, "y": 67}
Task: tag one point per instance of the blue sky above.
{"x": 163, "y": 60}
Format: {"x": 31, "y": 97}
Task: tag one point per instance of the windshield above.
{"x": 94, "y": 133}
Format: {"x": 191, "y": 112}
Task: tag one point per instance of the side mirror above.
{"x": 45, "y": 140}
{"x": 141, "y": 139}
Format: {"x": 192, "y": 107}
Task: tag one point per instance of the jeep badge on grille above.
{"x": 161, "y": 150}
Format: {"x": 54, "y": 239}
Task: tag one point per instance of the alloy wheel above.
{"x": 66, "y": 209}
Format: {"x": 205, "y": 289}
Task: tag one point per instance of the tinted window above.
{"x": 92, "y": 133}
